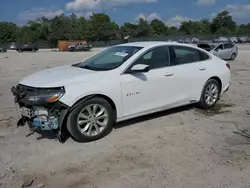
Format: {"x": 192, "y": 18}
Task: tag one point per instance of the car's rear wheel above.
{"x": 233, "y": 56}
{"x": 210, "y": 94}
{"x": 90, "y": 120}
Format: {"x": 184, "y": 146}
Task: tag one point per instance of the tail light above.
{"x": 228, "y": 65}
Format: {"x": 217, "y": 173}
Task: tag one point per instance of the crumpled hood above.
{"x": 61, "y": 76}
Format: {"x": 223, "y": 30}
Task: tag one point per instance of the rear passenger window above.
{"x": 228, "y": 45}
{"x": 182, "y": 55}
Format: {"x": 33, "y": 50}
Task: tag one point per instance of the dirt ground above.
{"x": 184, "y": 147}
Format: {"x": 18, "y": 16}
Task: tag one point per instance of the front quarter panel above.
{"x": 107, "y": 86}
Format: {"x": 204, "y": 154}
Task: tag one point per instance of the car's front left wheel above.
{"x": 91, "y": 120}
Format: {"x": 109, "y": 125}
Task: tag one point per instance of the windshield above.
{"x": 109, "y": 59}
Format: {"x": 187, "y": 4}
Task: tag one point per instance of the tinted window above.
{"x": 155, "y": 58}
{"x": 182, "y": 55}
{"x": 228, "y": 45}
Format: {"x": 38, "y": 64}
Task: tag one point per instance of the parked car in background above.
{"x": 3, "y": 50}
{"x": 243, "y": 39}
{"x": 187, "y": 40}
{"x": 223, "y": 39}
{"x": 216, "y": 40}
{"x": 119, "y": 83}
{"x": 180, "y": 41}
{"x": 227, "y": 50}
{"x": 12, "y": 46}
{"x": 233, "y": 39}
{"x": 79, "y": 47}
{"x": 27, "y": 47}
{"x": 195, "y": 40}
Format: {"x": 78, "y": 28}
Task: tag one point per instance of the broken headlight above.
{"x": 46, "y": 96}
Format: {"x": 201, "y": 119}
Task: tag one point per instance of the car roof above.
{"x": 150, "y": 44}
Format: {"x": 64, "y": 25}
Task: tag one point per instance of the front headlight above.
{"x": 46, "y": 96}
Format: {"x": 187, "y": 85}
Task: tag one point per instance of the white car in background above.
{"x": 225, "y": 50}
{"x": 120, "y": 83}
{"x": 223, "y": 39}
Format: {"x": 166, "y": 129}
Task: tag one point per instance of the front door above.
{"x": 143, "y": 92}
{"x": 221, "y": 52}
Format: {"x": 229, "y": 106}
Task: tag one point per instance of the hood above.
{"x": 61, "y": 76}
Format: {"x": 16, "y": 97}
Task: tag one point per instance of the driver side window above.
{"x": 220, "y": 47}
{"x": 155, "y": 58}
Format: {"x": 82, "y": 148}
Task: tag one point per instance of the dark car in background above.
{"x": 79, "y": 47}
{"x": 27, "y": 47}
{"x": 242, "y": 39}
{"x": 3, "y": 50}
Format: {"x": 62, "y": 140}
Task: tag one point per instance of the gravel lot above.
{"x": 184, "y": 147}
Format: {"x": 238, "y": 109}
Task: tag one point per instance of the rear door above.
{"x": 190, "y": 70}
{"x": 228, "y": 49}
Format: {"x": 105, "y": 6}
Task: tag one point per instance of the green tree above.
{"x": 8, "y": 32}
{"x": 159, "y": 28}
{"x": 223, "y": 20}
{"x": 101, "y": 28}
{"x": 143, "y": 29}
{"x": 128, "y": 29}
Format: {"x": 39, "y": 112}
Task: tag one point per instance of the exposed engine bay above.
{"x": 40, "y": 108}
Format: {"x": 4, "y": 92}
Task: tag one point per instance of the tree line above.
{"x": 100, "y": 27}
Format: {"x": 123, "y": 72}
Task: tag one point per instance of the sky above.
{"x": 171, "y": 12}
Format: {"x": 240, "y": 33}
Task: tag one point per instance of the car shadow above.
{"x": 153, "y": 116}
{"x": 43, "y": 135}
{"x": 52, "y": 135}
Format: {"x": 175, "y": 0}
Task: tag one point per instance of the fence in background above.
{"x": 45, "y": 44}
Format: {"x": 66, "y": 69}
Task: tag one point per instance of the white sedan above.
{"x": 120, "y": 83}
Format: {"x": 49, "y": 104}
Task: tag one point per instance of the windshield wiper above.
{"x": 93, "y": 68}
{"x": 90, "y": 68}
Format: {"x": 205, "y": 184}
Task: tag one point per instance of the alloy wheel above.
{"x": 92, "y": 120}
{"x": 211, "y": 94}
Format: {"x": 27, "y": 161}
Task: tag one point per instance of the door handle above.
{"x": 202, "y": 69}
{"x": 168, "y": 74}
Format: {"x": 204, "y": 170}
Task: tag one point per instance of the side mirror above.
{"x": 140, "y": 68}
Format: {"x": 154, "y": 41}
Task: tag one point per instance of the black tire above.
{"x": 71, "y": 49}
{"x": 233, "y": 56}
{"x": 202, "y": 103}
{"x": 73, "y": 116}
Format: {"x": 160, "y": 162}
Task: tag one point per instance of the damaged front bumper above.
{"x": 40, "y": 107}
